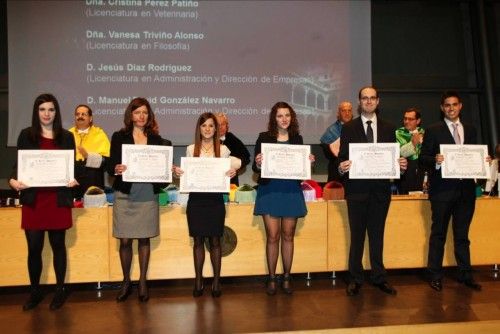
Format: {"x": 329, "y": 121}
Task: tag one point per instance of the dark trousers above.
{"x": 460, "y": 209}
{"x": 412, "y": 179}
{"x": 86, "y": 178}
{"x": 367, "y": 216}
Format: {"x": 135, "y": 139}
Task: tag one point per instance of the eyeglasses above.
{"x": 369, "y": 98}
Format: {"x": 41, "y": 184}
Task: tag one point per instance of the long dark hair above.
{"x": 197, "y": 135}
{"x": 151, "y": 127}
{"x": 272, "y": 126}
{"x": 36, "y": 127}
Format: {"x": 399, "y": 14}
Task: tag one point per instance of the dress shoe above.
{"x": 436, "y": 284}
{"x": 386, "y": 288}
{"x": 124, "y": 292}
{"x": 271, "y": 285}
{"x": 59, "y": 299}
{"x": 286, "y": 284}
{"x": 470, "y": 283}
{"x": 35, "y": 298}
{"x": 143, "y": 292}
{"x": 353, "y": 289}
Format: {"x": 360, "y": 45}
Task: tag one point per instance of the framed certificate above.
{"x": 374, "y": 161}
{"x": 45, "y": 168}
{"x": 283, "y": 161}
{"x": 205, "y": 175}
{"x": 147, "y": 163}
{"x": 464, "y": 162}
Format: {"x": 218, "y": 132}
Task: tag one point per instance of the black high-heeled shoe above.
{"x": 216, "y": 292}
{"x": 125, "y": 291}
{"x": 286, "y": 284}
{"x": 198, "y": 292}
{"x": 143, "y": 292}
{"x": 271, "y": 285}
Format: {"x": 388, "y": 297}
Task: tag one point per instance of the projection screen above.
{"x": 189, "y": 57}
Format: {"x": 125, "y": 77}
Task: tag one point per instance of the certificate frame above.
{"x": 464, "y": 161}
{"x": 147, "y": 163}
{"x": 45, "y": 168}
{"x": 285, "y": 161}
{"x": 205, "y": 175}
{"x": 374, "y": 161}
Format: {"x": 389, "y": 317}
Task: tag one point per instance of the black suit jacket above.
{"x": 238, "y": 150}
{"x": 115, "y": 158}
{"x": 361, "y": 189}
{"x": 265, "y": 137}
{"x": 436, "y": 134}
{"x": 24, "y": 142}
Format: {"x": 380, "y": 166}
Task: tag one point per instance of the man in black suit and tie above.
{"x": 450, "y": 198}
{"x": 367, "y": 199}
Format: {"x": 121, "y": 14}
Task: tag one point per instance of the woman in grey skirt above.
{"x": 136, "y": 211}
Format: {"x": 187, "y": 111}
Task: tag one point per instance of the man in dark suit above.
{"x": 233, "y": 143}
{"x": 367, "y": 199}
{"x": 449, "y": 197}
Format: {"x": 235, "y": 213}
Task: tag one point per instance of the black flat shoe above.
{"x": 286, "y": 284}
{"x": 386, "y": 288}
{"x": 353, "y": 289}
{"x": 125, "y": 291}
{"x": 143, "y": 298}
{"x": 36, "y": 296}
{"x": 436, "y": 284}
{"x": 59, "y": 299}
{"x": 271, "y": 285}
{"x": 470, "y": 283}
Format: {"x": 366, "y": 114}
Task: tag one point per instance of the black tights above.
{"x": 199, "y": 260}
{"x": 35, "y": 240}
{"x": 144, "y": 251}
{"x": 279, "y": 228}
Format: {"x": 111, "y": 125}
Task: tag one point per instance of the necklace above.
{"x": 206, "y": 149}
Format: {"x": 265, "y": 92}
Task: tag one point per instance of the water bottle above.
{"x": 425, "y": 184}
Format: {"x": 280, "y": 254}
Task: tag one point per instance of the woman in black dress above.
{"x": 206, "y": 211}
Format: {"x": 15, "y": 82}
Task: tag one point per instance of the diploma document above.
{"x": 284, "y": 161}
{"x": 147, "y": 163}
{"x": 205, "y": 175}
{"x": 374, "y": 161}
{"x": 464, "y": 162}
{"x": 45, "y": 168}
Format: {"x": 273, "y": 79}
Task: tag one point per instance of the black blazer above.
{"x": 265, "y": 137}
{"x": 115, "y": 158}
{"x": 24, "y": 142}
{"x": 436, "y": 134}
{"x": 238, "y": 150}
{"x": 361, "y": 189}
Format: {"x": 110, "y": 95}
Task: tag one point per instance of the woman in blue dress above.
{"x": 279, "y": 202}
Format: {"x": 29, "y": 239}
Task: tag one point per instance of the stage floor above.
{"x": 244, "y": 307}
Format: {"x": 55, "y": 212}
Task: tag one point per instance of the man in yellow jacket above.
{"x": 92, "y": 150}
